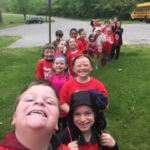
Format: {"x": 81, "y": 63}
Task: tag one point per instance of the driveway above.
{"x": 37, "y": 34}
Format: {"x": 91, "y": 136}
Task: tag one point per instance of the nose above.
{"x": 82, "y": 118}
{"x": 39, "y": 101}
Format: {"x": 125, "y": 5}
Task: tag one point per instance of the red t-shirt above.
{"x": 71, "y": 56}
{"x": 43, "y": 69}
{"x": 117, "y": 38}
{"x": 73, "y": 86}
{"x": 82, "y": 45}
{"x": 58, "y": 54}
{"x": 107, "y": 46}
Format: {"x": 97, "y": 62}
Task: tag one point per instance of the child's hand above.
{"x": 108, "y": 140}
{"x": 65, "y": 50}
{"x": 73, "y": 145}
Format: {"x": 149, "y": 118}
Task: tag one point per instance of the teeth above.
{"x": 37, "y": 112}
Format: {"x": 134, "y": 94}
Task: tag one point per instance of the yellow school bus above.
{"x": 141, "y": 12}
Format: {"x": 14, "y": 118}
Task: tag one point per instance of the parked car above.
{"x": 35, "y": 20}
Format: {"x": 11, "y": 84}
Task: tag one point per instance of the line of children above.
{"x": 82, "y": 66}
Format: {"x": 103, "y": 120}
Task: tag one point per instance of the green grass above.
{"x": 128, "y": 116}
{"x": 17, "y": 18}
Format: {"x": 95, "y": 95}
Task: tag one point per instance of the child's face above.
{"x": 118, "y": 24}
{"x": 98, "y": 32}
{"x": 82, "y": 67}
{"x": 49, "y": 54}
{"x": 73, "y": 34}
{"x": 72, "y": 44}
{"x": 84, "y": 118}
{"x": 83, "y": 35}
{"x": 60, "y": 65}
{"x": 37, "y": 109}
{"x": 61, "y": 46}
{"x": 58, "y": 38}
{"x": 97, "y": 22}
{"x": 92, "y": 39}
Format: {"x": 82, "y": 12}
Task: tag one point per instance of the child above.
{"x": 107, "y": 25}
{"x": 45, "y": 65}
{"x": 93, "y": 47}
{"x": 72, "y": 54}
{"x": 58, "y": 78}
{"x": 35, "y": 119}
{"x": 60, "y": 74}
{"x": 61, "y": 49}
{"x": 84, "y": 131}
{"x": 59, "y": 36}
{"x": 95, "y": 23}
{"x": 117, "y": 40}
{"x": 100, "y": 38}
{"x": 107, "y": 47}
{"x": 82, "y": 66}
{"x": 82, "y": 43}
{"x": 73, "y": 33}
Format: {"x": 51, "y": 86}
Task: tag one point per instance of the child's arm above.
{"x": 39, "y": 72}
{"x": 103, "y": 37}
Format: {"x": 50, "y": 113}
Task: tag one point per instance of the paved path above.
{"x": 37, "y": 34}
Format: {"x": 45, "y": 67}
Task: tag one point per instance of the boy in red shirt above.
{"x": 45, "y": 65}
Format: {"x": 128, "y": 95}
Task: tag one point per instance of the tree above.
{"x": 1, "y": 19}
{"x": 20, "y": 6}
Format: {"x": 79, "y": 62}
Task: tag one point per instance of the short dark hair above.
{"x": 80, "y": 30}
{"x": 59, "y": 33}
{"x": 73, "y": 29}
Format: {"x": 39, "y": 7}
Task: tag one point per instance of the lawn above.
{"x": 128, "y": 116}
{"x": 18, "y": 19}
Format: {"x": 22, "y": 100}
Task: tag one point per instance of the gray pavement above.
{"x": 37, "y": 34}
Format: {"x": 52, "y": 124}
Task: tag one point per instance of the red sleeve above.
{"x": 80, "y": 46}
{"x": 39, "y": 73}
{"x": 86, "y": 44}
{"x": 64, "y": 94}
{"x": 101, "y": 87}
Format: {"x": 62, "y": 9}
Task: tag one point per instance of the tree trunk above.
{"x": 1, "y": 19}
{"x": 25, "y": 16}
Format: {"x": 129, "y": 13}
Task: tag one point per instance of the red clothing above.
{"x": 58, "y": 54}
{"x": 96, "y": 26}
{"x": 107, "y": 46}
{"x": 11, "y": 143}
{"x": 117, "y": 38}
{"x": 82, "y": 45}
{"x": 73, "y": 86}
{"x": 89, "y": 146}
{"x": 43, "y": 69}
{"x": 71, "y": 56}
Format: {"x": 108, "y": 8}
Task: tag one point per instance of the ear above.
{"x": 13, "y": 123}
{"x": 56, "y": 127}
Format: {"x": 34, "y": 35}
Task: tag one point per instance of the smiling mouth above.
{"x": 37, "y": 112}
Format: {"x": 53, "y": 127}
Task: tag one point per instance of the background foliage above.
{"x": 71, "y": 8}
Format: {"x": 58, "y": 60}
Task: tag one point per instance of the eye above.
{"x": 29, "y": 100}
{"x": 77, "y": 114}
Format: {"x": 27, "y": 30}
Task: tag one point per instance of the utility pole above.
{"x": 49, "y": 14}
